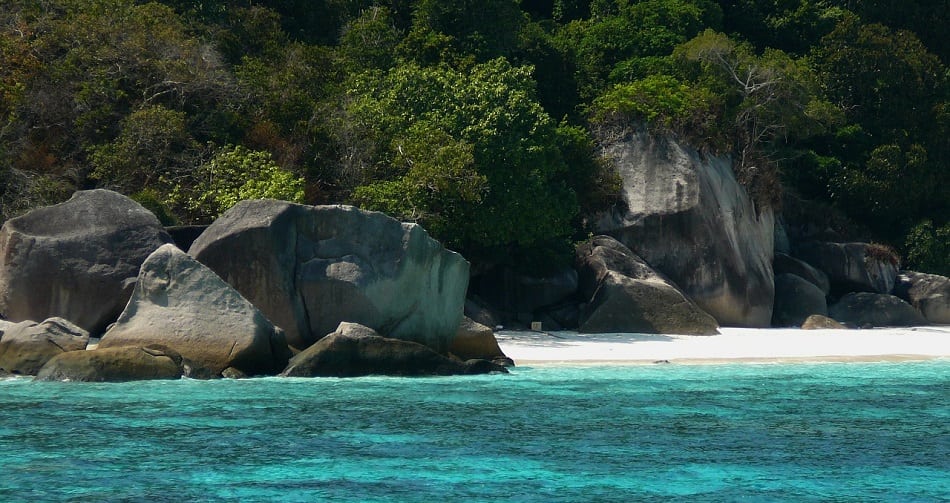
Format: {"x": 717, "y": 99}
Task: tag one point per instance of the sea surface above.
{"x": 737, "y": 432}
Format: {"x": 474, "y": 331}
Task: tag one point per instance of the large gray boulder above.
{"x": 26, "y": 346}
{"x": 876, "y": 310}
{"x": 113, "y": 365}
{"x": 929, "y": 293}
{"x": 795, "y": 300}
{"x": 786, "y": 264}
{"x": 686, "y": 215}
{"x": 181, "y": 304}
{"x": 852, "y": 267}
{"x": 355, "y": 350}
{"x": 625, "y": 295}
{"x": 77, "y": 260}
{"x": 308, "y": 268}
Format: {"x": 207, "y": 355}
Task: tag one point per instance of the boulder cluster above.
{"x": 275, "y": 288}
{"x": 271, "y": 288}
{"x": 689, "y": 250}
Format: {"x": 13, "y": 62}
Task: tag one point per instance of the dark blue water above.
{"x": 796, "y": 432}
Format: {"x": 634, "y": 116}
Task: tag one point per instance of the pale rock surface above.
{"x": 625, "y": 295}
{"x": 929, "y": 293}
{"x": 688, "y": 218}
{"x": 77, "y": 260}
{"x": 26, "y": 346}
{"x": 477, "y": 341}
{"x": 181, "y": 304}
{"x": 308, "y": 268}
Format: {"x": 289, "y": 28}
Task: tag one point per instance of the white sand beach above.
{"x": 733, "y": 345}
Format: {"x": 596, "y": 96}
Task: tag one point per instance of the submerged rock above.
{"x": 355, "y": 350}
{"x": 181, "y": 304}
{"x": 26, "y": 346}
{"x": 626, "y": 295}
{"x": 114, "y": 365}
{"x": 308, "y": 268}
{"x": 929, "y": 293}
{"x": 876, "y": 310}
{"x": 77, "y": 260}
{"x": 686, "y": 216}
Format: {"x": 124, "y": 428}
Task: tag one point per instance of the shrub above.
{"x": 151, "y": 200}
{"x": 234, "y": 174}
{"x": 928, "y": 248}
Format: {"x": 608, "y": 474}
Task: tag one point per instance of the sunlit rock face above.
{"x": 688, "y": 218}
{"x": 309, "y": 268}
{"x": 623, "y": 294}
{"x": 929, "y": 293}
{"x": 77, "y": 260}
{"x": 181, "y": 304}
{"x": 26, "y": 346}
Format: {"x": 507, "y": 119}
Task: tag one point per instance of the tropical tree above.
{"x": 471, "y": 155}
{"x": 234, "y": 174}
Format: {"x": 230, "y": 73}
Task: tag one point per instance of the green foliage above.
{"x": 926, "y": 18}
{"x": 234, "y": 174}
{"x": 251, "y": 32}
{"x": 93, "y": 67}
{"x": 447, "y": 112}
{"x": 470, "y": 155}
{"x": 485, "y": 29}
{"x": 370, "y": 40}
{"x": 152, "y": 144}
{"x": 928, "y": 248}
{"x": 792, "y": 26}
{"x": 893, "y": 150}
{"x": 771, "y": 99}
{"x": 663, "y": 101}
{"x": 440, "y": 180}
{"x": 622, "y": 32}
{"x": 151, "y": 200}
{"x": 596, "y": 184}
{"x": 285, "y": 104}
{"x": 884, "y": 183}
{"x": 886, "y": 80}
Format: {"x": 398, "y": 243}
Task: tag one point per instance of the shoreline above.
{"x": 733, "y": 345}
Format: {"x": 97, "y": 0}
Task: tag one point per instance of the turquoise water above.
{"x": 789, "y": 432}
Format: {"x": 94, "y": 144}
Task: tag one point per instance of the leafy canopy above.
{"x": 234, "y": 174}
{"x": 471, "y": 155}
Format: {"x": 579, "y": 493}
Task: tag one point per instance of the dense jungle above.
{"x": 482, "y": 120}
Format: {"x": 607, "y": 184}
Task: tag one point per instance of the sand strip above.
{"x": 733, "y": 345}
